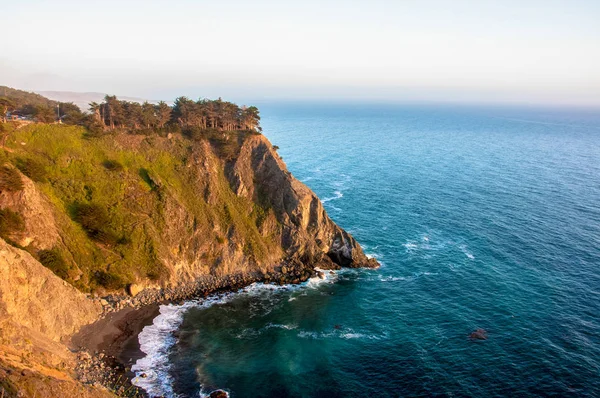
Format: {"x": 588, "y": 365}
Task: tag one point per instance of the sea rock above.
{"x": 479, "y": 334}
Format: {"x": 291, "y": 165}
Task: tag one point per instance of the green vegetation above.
{"x": 108, "y": 280}
{"x": 53, "y": 260}
{"x": 95, "y": 221}
{"x": 114, "y": 196}
{"x": 32, "y": 168}
{"x": 112, "y": 165}
{"x": 10, "y": 222}
{"x": 10, "y": 180}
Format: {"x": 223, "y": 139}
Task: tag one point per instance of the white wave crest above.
{"x": 410, "y": 246}
{"x": 155, "y": 341}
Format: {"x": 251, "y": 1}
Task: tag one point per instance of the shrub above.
{"x": 195, "y": 133}
{"x": 227, "y": 146}
{"x": 53, "y": 260}
{"x": 94, "y": 128}
{"x": 10, "y": 222}
{"x": 112, "y": 165}
{"x": 172, "y": 129}
{"x": 109, "y": 280}
{"x": 145, "y": 175}
{"x": 32, "y": 169}
{"x": 95, "y": 221}
{"x": 10, "y": 180}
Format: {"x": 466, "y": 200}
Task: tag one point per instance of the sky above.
{"x": 508, "y": 51}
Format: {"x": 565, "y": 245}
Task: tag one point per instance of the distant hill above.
{"x": 82, "y": 100}
{"x": 21, "y": 97}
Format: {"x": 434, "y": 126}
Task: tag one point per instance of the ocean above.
{"x": 482, "y": 217}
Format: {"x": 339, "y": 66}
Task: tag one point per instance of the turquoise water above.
{"x": 481, "y": 217}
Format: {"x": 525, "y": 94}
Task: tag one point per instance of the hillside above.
{"x": 156, "y": 217}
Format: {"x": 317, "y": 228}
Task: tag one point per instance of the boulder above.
{"x": 134, "y": 289}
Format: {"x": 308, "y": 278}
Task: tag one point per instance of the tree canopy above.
{"x": 185, "y": 113}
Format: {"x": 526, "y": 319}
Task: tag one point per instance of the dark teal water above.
{"x": 481, "y": 217}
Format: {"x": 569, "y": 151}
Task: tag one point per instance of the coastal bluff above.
{"x": 179, "y": 218}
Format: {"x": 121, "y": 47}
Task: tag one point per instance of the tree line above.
{"x": 185, "y": 114}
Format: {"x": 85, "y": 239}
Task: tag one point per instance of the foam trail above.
{"x": 337, "y": 195}
{"x": 469, "y": 255}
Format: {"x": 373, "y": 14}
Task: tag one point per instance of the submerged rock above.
{"x": 479, "y": 334}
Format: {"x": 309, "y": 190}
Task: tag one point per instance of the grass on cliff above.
{"x": 112, "y": 195}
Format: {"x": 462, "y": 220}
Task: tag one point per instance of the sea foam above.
{"x": 156, "y": 340}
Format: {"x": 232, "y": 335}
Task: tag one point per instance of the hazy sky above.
{"x": 504, "y": 50}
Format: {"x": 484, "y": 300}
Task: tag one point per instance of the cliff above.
{"x": 133, "y": 213}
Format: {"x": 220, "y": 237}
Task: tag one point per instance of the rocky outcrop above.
{"x": 256, "y": 217}
{"x": 32, "y": 296}
{"x": 40, "y": 229}
{"x": 304, "y": 229}
{"x": 38, "y": 311}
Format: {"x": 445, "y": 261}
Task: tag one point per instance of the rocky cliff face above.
{"x": 303, "y": 228}
{"x": 256, "y": 217}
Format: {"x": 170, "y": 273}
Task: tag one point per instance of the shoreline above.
{"x": 110, "y": 346}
